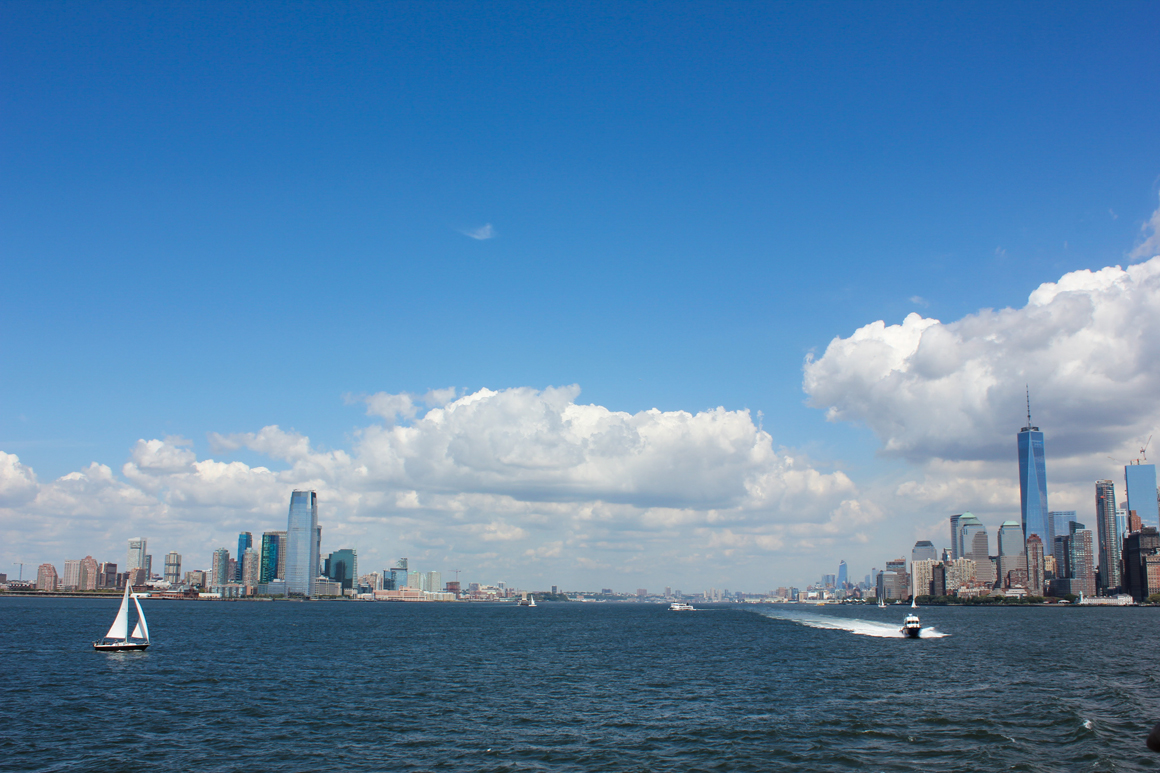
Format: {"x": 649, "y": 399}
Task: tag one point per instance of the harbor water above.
{"x": 321, "y": 686}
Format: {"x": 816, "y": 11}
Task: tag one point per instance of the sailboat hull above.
{"x": 119, "y": 646}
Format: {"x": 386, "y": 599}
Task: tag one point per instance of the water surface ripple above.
{"x": 575, "y": 687}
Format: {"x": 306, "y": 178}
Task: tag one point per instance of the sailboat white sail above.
{"x": 118, "y": 637}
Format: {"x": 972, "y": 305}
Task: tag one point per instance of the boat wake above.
{"x": 853, "y": 625}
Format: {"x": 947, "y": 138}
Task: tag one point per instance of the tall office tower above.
{"x": 1141, "y": 484}
{"x": 245, "y": 542}
{"x": 251, "y": 568}
{"x": 173, "y": 567}
{"x": 1012, "y": 551}
{"x": 922, "y": 577}
{"x": 1035, "y": 565}
{"x": 72, "y": 574}
{"x": 137, "y": 549}
{"x": 968, "y": 526}
{"x": 1032, "y": 480}
{"x": 900, "y": 577}
{"x": 842, "y": 576}
{"x": 955, "y": 535}
{"x": 342, "y": 567}
{"x": 107, "y": 575}
{"x": 302, "y": 543}
{"x": 435, "y": 582}
{"x": 219, "y": 573}
{"x": 923, "y": 550}
{"x": 1059, "y": 525}
{"x": 1082, "y": 560}
{"x": 1062, "y": 557}
{"x": 88, "y": 574}
{"x": 829, "y": 580}
{"x": 270, "y": 556}
{"x": 1111, "y": 546}
{"x": 318, "y": 550}
{"x": 1138, "y": 547}
{"x": 975, "y": 547}
{"x": 46, "y": 578}
{"x": 148, "y": 567}
{"x": 1121, "y": 522}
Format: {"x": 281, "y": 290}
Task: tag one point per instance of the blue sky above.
{"x": 218, "y": 218}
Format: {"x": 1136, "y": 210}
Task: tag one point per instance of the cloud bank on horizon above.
{"x": 522, "y": 481}
{"x": 531, "y": 470}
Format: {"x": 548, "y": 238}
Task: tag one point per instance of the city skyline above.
{"x": 529, "y": 293}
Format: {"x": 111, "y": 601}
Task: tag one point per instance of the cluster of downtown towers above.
{"x": 1128, "y": 539}
{"x": 292, "y": 554}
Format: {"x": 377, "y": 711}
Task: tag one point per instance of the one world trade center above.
{"x": 1033, "y": 483}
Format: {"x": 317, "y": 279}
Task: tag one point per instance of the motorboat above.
{"x": 911, "y": 627}
{"x": 118, "y": 638}
{"x": 680, "y": 606}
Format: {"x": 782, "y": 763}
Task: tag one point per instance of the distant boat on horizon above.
{"x": 118, "y": 638}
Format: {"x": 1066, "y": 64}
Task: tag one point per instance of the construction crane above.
{"x": 1144, "y": 450}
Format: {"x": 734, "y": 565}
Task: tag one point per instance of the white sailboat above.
{"x": 118, "y": 638}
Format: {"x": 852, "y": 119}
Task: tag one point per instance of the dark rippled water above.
{"x": 574, "y": 687}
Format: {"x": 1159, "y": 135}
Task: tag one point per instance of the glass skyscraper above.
{"x": 342, "y": 567}
{"x": 842, "y": 577}
{"x": 1109, "y": 536}
{"x": 923, "y": 550}
{"x": 1033, "y": 483}
{"x": 137, "y": 550}
{"x": 302, "y": 543}
{"x": 272, "y": 547}
{"x": 1141, "y": 481}
{"x": 245, "y": 542}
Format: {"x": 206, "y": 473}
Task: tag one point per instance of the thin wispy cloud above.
{"x": 483, "y": 233}
{"x": 918, "y": 300}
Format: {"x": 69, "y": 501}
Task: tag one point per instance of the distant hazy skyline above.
{"x": 590, "y": 295}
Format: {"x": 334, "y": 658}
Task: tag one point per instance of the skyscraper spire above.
{"x": 1028, "y": 388}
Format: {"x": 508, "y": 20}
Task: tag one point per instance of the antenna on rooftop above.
{"x": 1028, "y": 388}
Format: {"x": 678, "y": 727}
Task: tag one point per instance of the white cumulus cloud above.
{"x": 1085, "y": 345}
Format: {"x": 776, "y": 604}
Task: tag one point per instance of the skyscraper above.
{"x": 842, "y": 576}
{"x": 1082, "y": 562}
{"x": 1032, "y": 480}
{"x": 1141, "y": 484}
{"x": 46, "y": 578}
{"x": 968, "y": 526}
{"x": 220, "y": 571}
{"x": 1035, "y": 565}
{"x": 173, "y": 567}
{"x": 1110, "y": 537}
{"x": 273, "y": 555}
{"x": 1058, "y": 525}
{"x": 302, "y": 543}
{"x": 245, "y": 542}
{"x": 923, "y": 550}
{"x": 251, "y": 561}
{"x": 1012, "y": 551}
{"x": 88, "y": 573}
{"x": 342, "y": 567}
{"x": 72, "y": 574}
{"x": 1138, "y": 547}
{"x": 955, "y": 536}
{"x": 137, "y": 550}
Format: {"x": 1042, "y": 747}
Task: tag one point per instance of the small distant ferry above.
{"x": 680, "y": 606}
{"x": 911, "y": 627}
